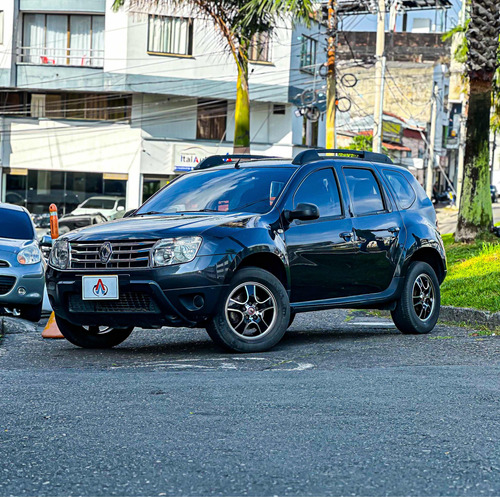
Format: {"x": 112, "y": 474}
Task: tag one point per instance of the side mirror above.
{"x": 120, "y": 208}
{"x": 129, "y": 213}
{"x": 303, "y": 212}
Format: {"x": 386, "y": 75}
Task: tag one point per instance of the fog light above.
{"x": 21, "y": 290}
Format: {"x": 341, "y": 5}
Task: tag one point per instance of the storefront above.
{"x": 37, "y": 189}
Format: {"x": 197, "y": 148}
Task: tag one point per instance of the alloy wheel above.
{"x": 251, "y": 310}
{"x": 423, "y": 297}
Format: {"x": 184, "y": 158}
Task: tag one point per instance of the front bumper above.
{"x": 30, "y": 277}
{"x": 181, "y": 295}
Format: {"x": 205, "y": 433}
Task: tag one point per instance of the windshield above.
{"x": 98, "y": 203}
{"x": 15, "y": 224}
{"x": 249, "y": 189}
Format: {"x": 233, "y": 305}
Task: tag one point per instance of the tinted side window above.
{"x": 320, "y": 188}
{"x": 405, "y": 194}
{"x": 364, "y": 190}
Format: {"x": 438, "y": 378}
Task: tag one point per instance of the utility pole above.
{"x": 378, "y": 110}
{"x": 429, "y": 182}
{"x": 331, "y": 94}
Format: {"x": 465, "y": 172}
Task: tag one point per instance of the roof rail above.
{"x": 218, "y": 160}
{"x": 314, "y": 154}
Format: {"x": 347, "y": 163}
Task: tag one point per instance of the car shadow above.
{"x": 200, "y": 348}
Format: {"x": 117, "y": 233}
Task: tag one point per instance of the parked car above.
{"x": 494, "y": 193}
{"x": 109, "y": 207}
{"x": 22, "y": 266}
{"x": 72, "y": 221}
{"x": 240, "y": 247}
{"x": 66, "y": 224}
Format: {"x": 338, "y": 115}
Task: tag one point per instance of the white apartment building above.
{"x": 99, "y": 102}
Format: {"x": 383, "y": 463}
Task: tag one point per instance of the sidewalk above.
{"x": 447, "y": 217}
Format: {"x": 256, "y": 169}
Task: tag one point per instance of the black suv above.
{"x": 243, "y": 243}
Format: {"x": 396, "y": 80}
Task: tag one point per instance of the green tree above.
{"x": 238, "y": 21}
{"x": 482, "y": 34}
{"x": 361, "y": 142}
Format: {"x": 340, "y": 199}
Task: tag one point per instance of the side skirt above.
{"x": 383, "y": 300}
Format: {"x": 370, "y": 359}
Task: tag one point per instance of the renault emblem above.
{"x": 105, "y": 252}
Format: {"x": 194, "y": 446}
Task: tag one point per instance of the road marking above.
{"x": 374, "y": 325}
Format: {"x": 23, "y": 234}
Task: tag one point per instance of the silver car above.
{"x": 22, "y": 267}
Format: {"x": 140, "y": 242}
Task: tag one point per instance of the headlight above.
{"x": 175, "y": 250}
{"x": 59, "y": 255}
{"x": 29, "y": 255}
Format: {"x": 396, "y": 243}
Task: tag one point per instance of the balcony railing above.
{"x": 43, "y": 56}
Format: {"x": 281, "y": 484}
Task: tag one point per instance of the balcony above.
{"x": 49, "y": 56}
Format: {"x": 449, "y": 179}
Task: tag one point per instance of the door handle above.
{"x": 347, "y": 236}
{"x": 394, "y": 230}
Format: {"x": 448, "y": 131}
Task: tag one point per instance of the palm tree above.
{"x": 482, "y": 35}
{"x": 238, "y": 21}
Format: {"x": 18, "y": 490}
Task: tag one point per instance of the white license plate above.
{"x": 100, "y": 287}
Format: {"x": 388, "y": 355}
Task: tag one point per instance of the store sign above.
{"x": 188, "y": 158}
{"x": 392, "y": 132}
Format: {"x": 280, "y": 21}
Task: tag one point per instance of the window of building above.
{"x": 36, "y": 190}
{"x": 260, "y": 47}
{"x": 57, "y": 39}
{"x": 279, "y": 109}
{"x": 92, "y": 106}
{"x": 37, "y": 105}
{"x": 14, "y": 103}
{"x": 1, "y": 27}
{"x": 308, "y": 54}
{"x": 310, "y": 131}
{"x": 212, "y": 117}
{"x": 320, "y": 188}
{"x": 364, "y": 190}
{"x": 170, "y": 35}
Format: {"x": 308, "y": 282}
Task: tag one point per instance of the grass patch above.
{"x": 473, "y": 278}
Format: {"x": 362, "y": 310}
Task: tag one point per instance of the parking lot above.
{"x": 343, "y": 405}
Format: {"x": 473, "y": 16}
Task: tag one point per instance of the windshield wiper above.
{"x": 149, "y": 213}
{"x": 200, "y": 210}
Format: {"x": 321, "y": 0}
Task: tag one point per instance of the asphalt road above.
{"x": 338, "y": 408}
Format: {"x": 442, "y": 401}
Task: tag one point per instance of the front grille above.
{"x": 4, "y": 264}
{"x": 137, "y": 302}
{"x": 126, "y": 255}
{"x": 6, "y": 284}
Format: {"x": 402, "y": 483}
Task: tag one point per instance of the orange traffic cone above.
{"x": 51, "y": 330}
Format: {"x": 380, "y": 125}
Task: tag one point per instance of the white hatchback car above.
{"x": 110, "y": 207}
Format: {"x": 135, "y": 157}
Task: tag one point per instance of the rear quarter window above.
{"x": 403, "y": 191}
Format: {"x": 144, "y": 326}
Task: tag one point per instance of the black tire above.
{"x": 90, "y": 338}
{"x": 415, "y": 314}
{"x": 31, "y": 312}
{"x": 259, "y": 330}
{"x": 292, "y": 317}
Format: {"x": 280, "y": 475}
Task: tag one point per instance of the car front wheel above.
{"x": 417, "y": 310}
{"x": 92, "y": 337}
{"x": 253, "y": 313}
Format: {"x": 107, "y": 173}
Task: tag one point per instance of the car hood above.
{"x": 154, "y": 227}
{"x": 13, "y": 246}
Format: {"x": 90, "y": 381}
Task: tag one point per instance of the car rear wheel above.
{"x": 417, "y": 310}
{"x": 253, "y": 313}
{"x": 92, "y": 337}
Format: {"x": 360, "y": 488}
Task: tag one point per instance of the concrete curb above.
{"x": 11, "y": 326}
{"x": 471, "y": 317}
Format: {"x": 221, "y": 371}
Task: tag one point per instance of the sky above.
{"x": 369, "y": 22}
